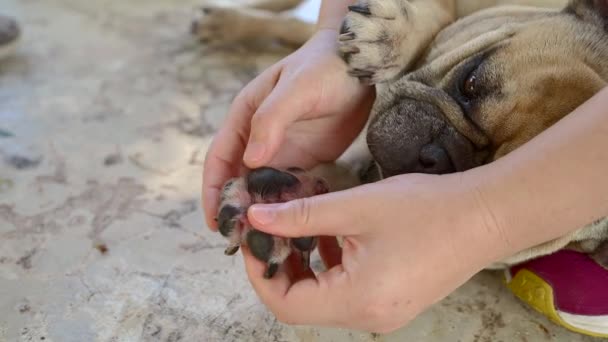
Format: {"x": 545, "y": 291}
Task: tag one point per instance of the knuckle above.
{"x": 259, "y": 119}
{"x": 243, "y": 98}
{"x": 303, "y": 212}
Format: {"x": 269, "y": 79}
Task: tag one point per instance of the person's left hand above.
{"x": 303, "y": 111}
{"x": 408, "y": 242}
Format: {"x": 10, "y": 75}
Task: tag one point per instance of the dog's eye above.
{"x": 469, "y": 88}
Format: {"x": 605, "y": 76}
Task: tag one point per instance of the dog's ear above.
{"x": 594, "y": 11}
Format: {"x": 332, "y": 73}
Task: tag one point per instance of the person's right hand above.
{"x": 302, "y": 111}
{"x": 408, "y": 242}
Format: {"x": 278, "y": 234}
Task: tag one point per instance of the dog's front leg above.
{"x": 381, "y": 39}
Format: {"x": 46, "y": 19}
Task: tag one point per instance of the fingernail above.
{"x": 254, "y": 152}
{"x": 264, "y": 215}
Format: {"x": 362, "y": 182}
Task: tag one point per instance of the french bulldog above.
{"x": 459, "y": 84}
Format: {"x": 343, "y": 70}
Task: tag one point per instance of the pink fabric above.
{"x": 580, "y": 285}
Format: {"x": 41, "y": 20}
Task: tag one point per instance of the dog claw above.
{"x": 306, "y": 259}
{"x": 231, "y": 250}
{"x": 344, "y": 28}
{"x": 305, "y": 247}
{"x": 366, "y": 80}
{"x": 350, "y": 50}
{"x": 360, "y": 9}
{"x": 360, "y": 73}
{"x": 271, "y": 271}
{"x": 346, "y": 36}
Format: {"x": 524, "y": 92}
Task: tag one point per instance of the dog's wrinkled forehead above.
{"x": 476, "y": 25}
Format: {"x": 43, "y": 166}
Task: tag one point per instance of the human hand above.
{"x": 302, "y": 111}
{"x": 408, "y": 242}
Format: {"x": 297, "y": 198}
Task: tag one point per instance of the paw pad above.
{"x": 265, "y": 185}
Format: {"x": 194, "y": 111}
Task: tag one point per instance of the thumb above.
{"x": 287, "y": 103}
{"x": 334, "y": 214}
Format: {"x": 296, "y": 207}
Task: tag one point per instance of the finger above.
{"x": 221, "y": 164}
{"x": 310, "y": 301}
{"x": 335, "y": 214}
{"x": 224, "y": 158}
{"x": 330, "y": 251}
{"x": 268, "y": 125}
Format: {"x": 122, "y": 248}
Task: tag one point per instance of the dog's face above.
{"x": 488, "y": 84}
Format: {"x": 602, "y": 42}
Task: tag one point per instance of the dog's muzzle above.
{"x": 423, "y": 130}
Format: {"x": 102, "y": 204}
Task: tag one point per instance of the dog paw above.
{"x": 9, "y": 35}
{"x": 214, "y": 23}
{"x": 378, "y": 39}
{"x": 265, "y": 185}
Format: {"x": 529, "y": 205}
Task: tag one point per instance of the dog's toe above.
{"x": 370, "y": 39}
{"x": 265, "y": 185}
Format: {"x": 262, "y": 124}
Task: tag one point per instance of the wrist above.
{"x": 477, "y": 231}
{"x": 322, "y": 42}
{"x": 331, "y": 14}
{"x": 464, "y": 219}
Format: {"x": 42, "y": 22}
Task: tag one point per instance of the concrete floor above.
{"x": 106, "y": 112}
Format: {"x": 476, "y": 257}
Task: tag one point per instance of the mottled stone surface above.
{"x": 106, "y": 112}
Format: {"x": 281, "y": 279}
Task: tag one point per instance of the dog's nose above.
{"x": 433, "y": 159}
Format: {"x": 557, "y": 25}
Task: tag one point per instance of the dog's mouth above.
{"x": 451, "y": 163}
